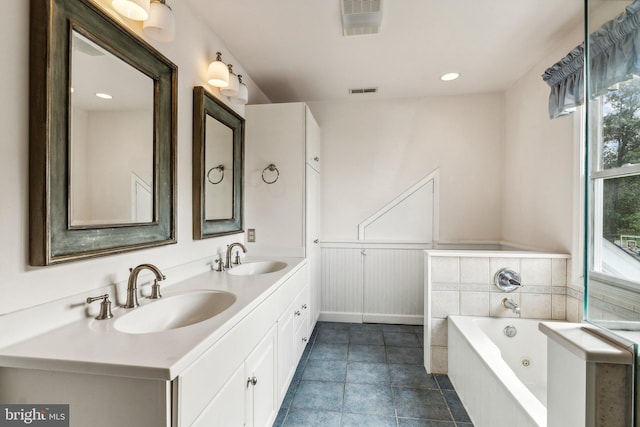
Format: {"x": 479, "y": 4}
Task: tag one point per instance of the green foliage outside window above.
{"x": 621, "y": 148}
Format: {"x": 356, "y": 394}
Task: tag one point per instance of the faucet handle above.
{"x": 155, "y": 289}
{"x": 105, "y": 306}
{"x": 220, "y": 263}
{"x": 237, "y": 261}
{"x": 507, "y": 280}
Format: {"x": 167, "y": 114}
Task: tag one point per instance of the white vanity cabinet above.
{"x": 285, "y": 214}
{"x": 234, "y": 380}
{"x": 221, "y": 381}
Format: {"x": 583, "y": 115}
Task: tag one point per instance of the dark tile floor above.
{"x": 369, "y": 375}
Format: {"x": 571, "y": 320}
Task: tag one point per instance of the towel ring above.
{"x": 271, "y": 168}
{"x": 219, "y": 168}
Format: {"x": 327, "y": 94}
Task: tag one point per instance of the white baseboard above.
{"x": 330, "y": 316}
{"x": 400, "y": 319}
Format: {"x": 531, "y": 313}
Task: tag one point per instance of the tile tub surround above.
{"x": 461, "y": 283}
{"x": 368, "y": 375}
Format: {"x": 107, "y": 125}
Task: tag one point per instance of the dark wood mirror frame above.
{"x": 205, "y": 104}
{"x": 51, "y": 238}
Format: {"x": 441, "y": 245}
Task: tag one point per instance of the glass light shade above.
{"x": 137, "y": 10}
{"x": 243, "y": 93}
{"x": 218, "y": 74}
{"x": 161, "y": 24}
{"x": 234, "y": 84}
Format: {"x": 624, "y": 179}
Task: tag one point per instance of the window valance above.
{"x": 614, "y": 56}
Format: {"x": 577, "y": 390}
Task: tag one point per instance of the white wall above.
{"x": 375, "y": 150}
{"x": 24, "y": 286}
{"x": 540, "y": 161}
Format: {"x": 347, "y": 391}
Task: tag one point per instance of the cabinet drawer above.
{"x": 301, "y": 337}
{"x": 301, "y": 309}
{"x": 287, "y": 293}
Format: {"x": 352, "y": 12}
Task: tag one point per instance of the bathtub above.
{"x": 501, "y": 380}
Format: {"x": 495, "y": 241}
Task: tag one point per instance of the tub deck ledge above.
{"x": 584, "y": 341}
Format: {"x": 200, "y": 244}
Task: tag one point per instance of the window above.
{"x": 615, "y": 182}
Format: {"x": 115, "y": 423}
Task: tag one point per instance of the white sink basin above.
{"x": 257, "y": 267}
{"x": 175, "y": 311}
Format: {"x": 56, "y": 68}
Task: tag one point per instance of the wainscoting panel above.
{"x": 394, "y": 285}
{"x": 373, "y": 283}
{"x": 342, "y": 283}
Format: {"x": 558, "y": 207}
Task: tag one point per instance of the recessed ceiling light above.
{"x": 449, "y": 76}
{"x": 104, "y": 95}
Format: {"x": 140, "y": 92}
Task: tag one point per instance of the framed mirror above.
{"x": 102, "y": 136}
{"x": 218, "y": 158}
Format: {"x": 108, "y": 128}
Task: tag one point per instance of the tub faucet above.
{"x": 511, "y": 305}
{"x": 132, "y": 285}
{"x": 230, "y": 247}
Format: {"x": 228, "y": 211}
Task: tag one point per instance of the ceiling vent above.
{"x": 361, "y": 17}
{"x": 363, "y": 90}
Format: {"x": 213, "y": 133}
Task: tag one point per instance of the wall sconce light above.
{"x": 161, "y": 25}
{"x": 137, "y": 10}
{"x": 218, "y": 73}
{"x": 234, "y": 84}
{"x": 159, "y": 22}
{"x": 243, "y": 93}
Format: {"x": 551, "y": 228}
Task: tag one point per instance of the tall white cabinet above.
{"x": 284, "y": 215}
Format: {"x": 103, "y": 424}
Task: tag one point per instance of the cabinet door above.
{"x": 275, "y": 135}
{"x": 227, "y": 409}
{"x": 313, "y": 137}
{"x": 261, "y": 382}
{"x": 313, "y": 253}
{"x": 286, "y": 361}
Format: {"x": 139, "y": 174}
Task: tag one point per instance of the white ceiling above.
{"x": 294, "y": 50}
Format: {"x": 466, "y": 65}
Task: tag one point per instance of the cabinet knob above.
{"x": 252, "y": 381}
{"x": 304, "y": 306}
{"x": 316, "y": 159}
{"x": 297, "y": 313}
{"x": 305, "y": 339}
{"x": 316, "y": 241}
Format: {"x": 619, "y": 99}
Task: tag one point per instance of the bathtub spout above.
{"x": 511, "y": 305}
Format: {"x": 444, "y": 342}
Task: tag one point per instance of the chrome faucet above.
{"x": 511, "y": 305}
{"x": 132, "y": 286}
{"x": 230, "y": 247}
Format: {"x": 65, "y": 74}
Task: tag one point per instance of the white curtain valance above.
{"x": 614, "y": 57}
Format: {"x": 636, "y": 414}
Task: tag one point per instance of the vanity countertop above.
{"x": 93, "y": 346}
